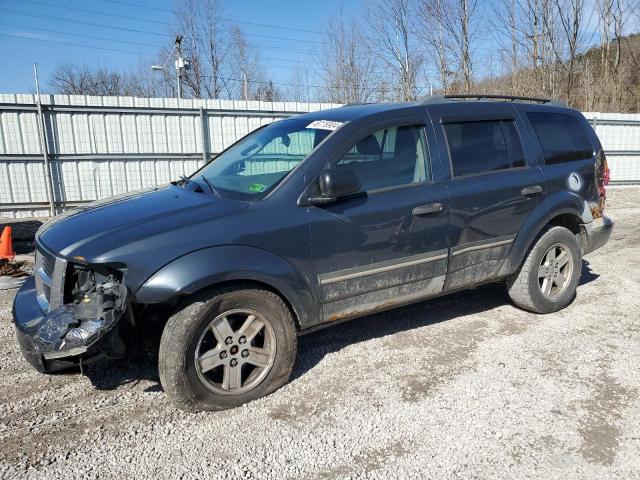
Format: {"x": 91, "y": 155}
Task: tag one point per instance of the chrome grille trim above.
{"x": 50, "y": 277}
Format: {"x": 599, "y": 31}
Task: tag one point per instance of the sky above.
{"x": 127, "y": 32}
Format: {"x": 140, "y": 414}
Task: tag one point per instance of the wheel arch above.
{"x": 227, "y": 266}
{"x": 565, "y": 209}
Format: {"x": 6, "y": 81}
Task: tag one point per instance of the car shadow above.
{"x": 587, "y": 275}
{"x": 142, "y": 361}
{"x": 313, "y": 347}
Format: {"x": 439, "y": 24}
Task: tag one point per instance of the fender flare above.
{"x": 215, "y": 265}
{"x": 556, "y": 204}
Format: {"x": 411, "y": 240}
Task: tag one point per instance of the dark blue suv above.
{"x": 313, "y": 220}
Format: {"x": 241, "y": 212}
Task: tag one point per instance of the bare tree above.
{"x": 81, "y": 79}
{"x": 246, "y": 71}
{"x": 205, "y": 44}
{"x": 571, "y": 16}
{"x": 391, "y": 33}
{"x": 297, "y": 88}
{"x": 431, "y": 31}
{"x": 453, "y": 24}
{"x": 346, "y": 64}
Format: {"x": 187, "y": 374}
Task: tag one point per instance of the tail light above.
{"x": 603, "y": 175}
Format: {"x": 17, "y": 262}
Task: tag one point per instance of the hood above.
{"x": 104, "y": 230}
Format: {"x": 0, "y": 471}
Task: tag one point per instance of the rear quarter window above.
{"x": 562, "y": 137}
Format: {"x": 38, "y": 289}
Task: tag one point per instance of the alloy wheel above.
{"x": 555, "y": 271}
{"x": 235, "y": 352}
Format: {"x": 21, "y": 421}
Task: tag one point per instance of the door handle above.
{"x": 531, "y": 191}
{"x": 427, "y": 209}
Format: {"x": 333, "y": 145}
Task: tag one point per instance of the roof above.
{"x": 349, "y": 113}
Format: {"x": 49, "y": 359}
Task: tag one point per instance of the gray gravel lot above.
{"x": 465, "y": 386}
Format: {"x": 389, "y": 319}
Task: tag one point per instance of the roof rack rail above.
{"x": 511, "y": 98}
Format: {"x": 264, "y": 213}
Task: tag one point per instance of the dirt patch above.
{"x": 443, "y": 359}
{"x": 599, "y": 426}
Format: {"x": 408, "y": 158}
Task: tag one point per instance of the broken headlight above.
{"x": 94, "y": 302}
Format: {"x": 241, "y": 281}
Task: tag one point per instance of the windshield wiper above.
{"x": 184, "y": 179}
{"x": 214, "y": 192}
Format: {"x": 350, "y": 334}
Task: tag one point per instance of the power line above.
{"x": 90, "y": 24}
{"x": 92, "y": 37}
{"x": 255, "y": 24}
{"x": 96, "y": 12}
{"x": 269, "y": 82}
{"x": 147, "y": 20}
{"x": 23, "y": 37}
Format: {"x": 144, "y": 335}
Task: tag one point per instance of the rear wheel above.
{"x": 549, "y": 275}
{"x": 227, "y": 347}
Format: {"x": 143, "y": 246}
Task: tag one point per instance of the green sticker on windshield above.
{"x": 257, "y": 188}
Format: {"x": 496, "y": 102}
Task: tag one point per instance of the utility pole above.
{"x": 180, "y": 65}
{"x": 245, "y": 87}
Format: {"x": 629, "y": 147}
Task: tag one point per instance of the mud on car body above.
{"x": 316, "y": 219}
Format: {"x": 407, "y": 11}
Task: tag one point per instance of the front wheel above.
{"x": 549, "y": 275}
{"x": 225, "y": 348}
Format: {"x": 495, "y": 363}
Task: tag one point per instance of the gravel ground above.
{"x": 465, "y": 386}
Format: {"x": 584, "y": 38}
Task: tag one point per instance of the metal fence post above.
{"x": 204, "y": 135}
{"x": 44, "y": 145}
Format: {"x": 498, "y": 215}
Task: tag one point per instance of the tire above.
{"x": 194, "y": 338}
{"x": 529, "y": 291}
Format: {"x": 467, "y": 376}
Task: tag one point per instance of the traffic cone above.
{"x": 6, "y": 248}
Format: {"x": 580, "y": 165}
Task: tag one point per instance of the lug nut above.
{"x": 243, "y": 339}
{"x": 228, "y": 340}
{"x": 245, "y": 353}
{"x": 223, "y": 355}
{"x": 233, "y": 362}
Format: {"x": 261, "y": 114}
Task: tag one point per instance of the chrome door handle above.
{"x": 427, "y": 209}
{"x": 530, "y": 191}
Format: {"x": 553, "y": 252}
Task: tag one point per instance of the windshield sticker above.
{"x": 257, "y": 188}
{"x": 324, "y": 125}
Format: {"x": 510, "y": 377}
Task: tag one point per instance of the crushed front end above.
{"x": 66, "y": 314}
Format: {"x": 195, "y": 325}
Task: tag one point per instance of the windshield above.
{"x": 255, "y": 165}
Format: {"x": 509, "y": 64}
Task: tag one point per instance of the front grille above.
{"x": 49, "y": 276}
{"x": 48, "y": 264}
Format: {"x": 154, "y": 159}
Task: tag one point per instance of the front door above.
{"x": 385, "y": 245}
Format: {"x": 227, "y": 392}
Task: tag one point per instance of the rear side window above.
{"x": 481, "y": 147}
{"x": 562, "y": 137}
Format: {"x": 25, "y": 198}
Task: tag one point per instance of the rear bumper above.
{"x": 29, "y": 320}
{"x": 598, "y": 233}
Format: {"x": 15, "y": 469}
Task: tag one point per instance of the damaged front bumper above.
{"x": 66, "y": 336}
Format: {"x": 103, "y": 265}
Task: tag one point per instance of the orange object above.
{"x": 6, "y": 247}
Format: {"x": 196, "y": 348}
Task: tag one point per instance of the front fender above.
{"x": 210, "y": 266}
{"x": 558, "y": 203}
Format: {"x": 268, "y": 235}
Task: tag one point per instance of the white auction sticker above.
{"x": 324, "y": 125}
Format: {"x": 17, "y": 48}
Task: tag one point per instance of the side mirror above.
{"x": 335, "y": 183}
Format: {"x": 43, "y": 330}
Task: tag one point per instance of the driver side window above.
{"x": 390, "y": 157}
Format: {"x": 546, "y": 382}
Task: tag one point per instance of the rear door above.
{"x": 385, "y": 245}
{"x": 493, "y": 186}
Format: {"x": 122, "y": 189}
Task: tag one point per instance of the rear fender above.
{"x": 558, "y": 203}
{"x": 215, "y": 265}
